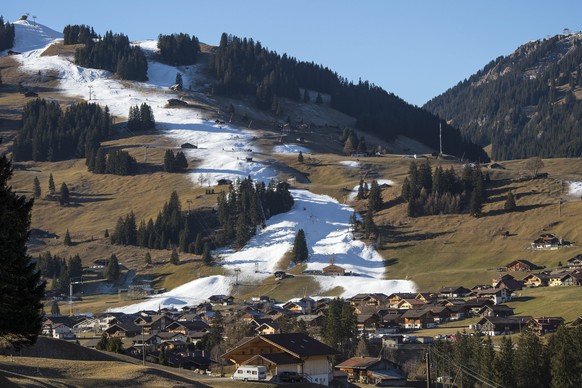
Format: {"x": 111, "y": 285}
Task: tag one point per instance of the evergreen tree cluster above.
{"x": 340, "y": 327}
{"x": 178, "y": 49}
{"x": 6, "y": 35}
{"x": 141, "y": 118}
{"x": 530, "y": 362}
{"x": 118, "y": 162}
{"x": 443, "y": 192}
{"x": 300, "y": 251}
{"x": 49, "y": 134}
{"x": 352, "y": 143}
{"x": 114, "y": 53}
{"x": 247, "y": 205}
{"x": 78, "y": 33}
{"x": 243, "y": 66}
{"x": 175, "y": 163}
{"x": 58, "y": 269}
{"x": 21, "y": 288}
{"x": 170, "y": 229}
{"x": 523, "y": 104}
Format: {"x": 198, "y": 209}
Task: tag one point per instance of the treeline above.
{"x": 528, "y": 111}
{"x": 178, "y": 49}
{"x": 58, "y": 269}
{"x": 78, "y": 33}
{"x": 443, "y": 192}
{"x": 171, "y": 228}
{"x": 49, "y": 134}
{"x": 247, "y": 205}
{"x": 118, "y": 162}
{"x": 6, "y": 34}
{"x": 114, "y": 53}
{"x": 530, "y": 362}
{"x": 243, "y": 66}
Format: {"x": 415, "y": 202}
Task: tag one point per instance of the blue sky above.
{"x": 414, "y": 49}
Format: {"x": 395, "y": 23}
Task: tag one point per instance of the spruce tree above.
{"x": 51, "y": 185}
{"x": 300, "y": 157}
{"x": 531, "y": 365}
{"x": 510, "y": 204}
{"x": 375, "y": 197}
{"x": 148, "y": 258}
{"x": 300, "y": 251}
{"x": 106, "y": 233}
{"x": 179, "y": 81}
{"x": 174, "y": 257}
{"x": 369, "y": 225}
{"x": 504, "y": 364}
{"x": 206, "y": 257}
{"x": 21, "y": 288}
{"x": 198, "y": 246}
{"x": 67, "y": 240}
{"x": 65, "y": 195}
{"x": 102, "y": 344}
{"x": 36, "y": 187}
{"x": 112, "y": 270}
{"x": 55, "y": 310}
{"x": 318, "y": 99}
{"x": 305, "y": 96}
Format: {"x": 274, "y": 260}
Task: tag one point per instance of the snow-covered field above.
{"x": 575, "y": 189}
{"x": 222, "y": 151}
{"x": 350, "y": 163}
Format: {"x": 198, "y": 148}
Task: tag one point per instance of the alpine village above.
{"x": 178, "y": 214}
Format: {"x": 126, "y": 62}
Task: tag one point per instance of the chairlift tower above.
{"x": 440, "y": 140}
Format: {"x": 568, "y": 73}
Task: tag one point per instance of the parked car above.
{"x": 290, "y": 377}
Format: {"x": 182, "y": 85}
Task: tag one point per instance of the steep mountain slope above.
{"x": 224, "y": 151}
{"x": 525, "y": 104}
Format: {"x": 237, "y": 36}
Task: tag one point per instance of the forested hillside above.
{"x": 525, "y": 104}
{"x": 243, "y": 66}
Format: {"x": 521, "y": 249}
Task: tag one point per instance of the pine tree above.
{"x": 369, "y": 225}
{"x": 504, "y": 364}
{"x": 55, "y": 310}
{"x": 300, "y": 251}
{"x": 300, "y": 157}
{"x": 112, "y": 271}
{"x": 51, "y": 185}
{"x": 20, "y": 282}
{"x": 318, "y": 99}
{"x": 67, "y": 240}
{"x": 206, "y": 257}
{"x": 198, "y": 246}
{"x": 179, "y": 81}
{"x": 106, "y": 234}
{"x": 530, "y": 362}
{"x": 375, "y": 197}
{"x": 361, "y": 194}
{"x": 148, "y": 258}
{"x": 36, "y": 187}
{"x": 174, "y": 257}
{"x": 510, "y": 204}
{"x": 65, "y": 196}
{"x": 566, "y": 357}
{"x": 242, "y": 232}
{"x": 114, "y": 345}
{"x": 102, "y": 344}
{"x": 305, "y": 96}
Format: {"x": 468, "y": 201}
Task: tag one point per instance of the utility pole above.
{"x": 90, "y": 91}
{"x": 143, "y": 349}
{"x": 71, "y": 295}
{"x": 428, "y": 368}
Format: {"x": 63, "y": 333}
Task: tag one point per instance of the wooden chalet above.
{"x": 499, "y": 326}
{"x": 153, "y": 324}
{"x": 372, "y": 370}
{"x": 395, "y": 298}
{"x": 543, "y": 325}
{"x": 507, "y": 281}
{"x": 522, "y": 265}
{"x": 334, "y": 270}
{"x": 418, "y": 319}
{"x": 497, "y": 310}
{"x": 562, "y": 278}
{"x": 496, "y": 295}
{"x": 454, "y": 292}
{"x": 293, "y": 352}
{"x": 188, "y": 146}
{"x": 546, "y": 241}
{"x": 536, "y": 280}
{"x": 367, "y": 323}
{"x": 575, "y": 262}
{"x": 372, "y": 299}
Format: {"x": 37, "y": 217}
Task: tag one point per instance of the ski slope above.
{"x": 222, "y": 151}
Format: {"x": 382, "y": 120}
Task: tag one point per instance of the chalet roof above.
{"x": 332, "y": 267}
{"x": 274, "y": 358}
{"x": 527, "y": 263}
{"x": 188, "y": 325}
{"x": 412, "y": 313}
{"x": 506, "y": 320}
{"x": 299, "y": 344}
{"x": 402, "y": 295}
{"x": 453, "y": 289}
{"x": 359, "y": 363}
{"x": 576, "y": 259}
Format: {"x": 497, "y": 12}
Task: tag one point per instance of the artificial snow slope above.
{"x": 30, "y": 36}
{"x": 223, "y": 151}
